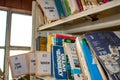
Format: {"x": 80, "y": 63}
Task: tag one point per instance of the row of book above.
{"x": 55, "y": 9}
{"x": 93, "y": 56}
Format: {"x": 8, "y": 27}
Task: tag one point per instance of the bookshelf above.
{"x": 107, "y": 14}
{"x": 109, "y": 21}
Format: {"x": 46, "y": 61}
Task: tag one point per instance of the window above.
{"x": 3, "y": 19}
{"x": 21, "y": 30}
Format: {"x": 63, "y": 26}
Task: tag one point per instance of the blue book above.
{"x": 60, "y": 9}
{"x": 92, "y": 66}
{"x": 106, "y": 46}
{"x": 59, "y": 63}
{"x": 58, "y": 41}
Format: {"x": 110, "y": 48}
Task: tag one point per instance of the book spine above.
{"x": 60, "y": 8}
{"x": 64, "y": 7}
{"x": 67, "y": 7}
{"x": 105, "y": 1}
{"x": 84, "y": 4}
{"x": 92, "y": 66}
{"x": 79, "y": 5}
{"x": 73, "y": 6}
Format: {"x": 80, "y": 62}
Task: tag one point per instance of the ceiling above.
{"x": 17, "y": 4}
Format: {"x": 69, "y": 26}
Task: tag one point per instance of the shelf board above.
{"x": 107, "y": 22}
{"x": 82, "y": 14}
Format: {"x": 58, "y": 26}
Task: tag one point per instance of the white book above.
{"x": 49, "y": 8}
{"x": 43, "y": 63}
{"x": 19, "y": 65}
{"x": 73, "y": 6}
{"x": 70, "y": 50}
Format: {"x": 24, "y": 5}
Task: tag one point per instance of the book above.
{"x": 49, "y": 9}
{"x": 79, "y": 5}
{"x": 18, "y": 65}
{"x": 68, "y": 66}
{"x": 84, "y": 4}
{"x": 41, "y": 43}
{"x": 59, "y": 63}
{"x": 74, "y": 62}
{"x": 67, "y": 7}
{"x": 65, "y": 36}
{"x": 43, "y": 63}
{"x": 82, "y": 59}
{"x": 91, "y": 63}
{"x": 60, "y": 9}
{"x": 106, "y": 46}
{"x": 31, "y": 62}
{"x": 64, "y": 7}
{"x": 73, "y": 6}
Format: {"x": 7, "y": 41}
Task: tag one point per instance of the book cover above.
{"x": 74, "y": 62}
{"x": 49, "y": 9}
{"x": 59, "y": 63}
{"x": 67, "y": 7}
{"x": 91, "y": 63}
{"x": 43, "y": 63}
{"x": 106, "y": 46}
{"x": 18, "y": 65}
{"x": 60, "y": 9}
{"x": 41, "y": 43}
{"x": 58, "y": 41}
{"x": 73, "y": 6}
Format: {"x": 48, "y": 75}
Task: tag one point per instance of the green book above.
{"x": 67, "y": 7}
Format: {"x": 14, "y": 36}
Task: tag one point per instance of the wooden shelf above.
{"x": 106, "y": 6}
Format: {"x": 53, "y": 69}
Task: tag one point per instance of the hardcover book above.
{"x": 59, "y": 63}
{"x": 43, "y": 63}
{"x": 49, "y": 8}
{"x": 106, "y": 46}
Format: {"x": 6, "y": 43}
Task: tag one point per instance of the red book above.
{"x": 105, "y": 1}
{"x": 64, "y": 36}
{"x": 79, "y": 5}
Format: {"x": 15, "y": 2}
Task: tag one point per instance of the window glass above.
{"x": 1, "y": 59}
{"x": 3, "y": 19}
{"x": 21, "y": 30}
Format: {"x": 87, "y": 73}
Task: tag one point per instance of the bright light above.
{"x": 21, "y": 30}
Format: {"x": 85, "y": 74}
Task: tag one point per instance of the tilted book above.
{"x": 49, "y": 9}
{"x": 59, "y": 63}
{"x": 73, "y": 6}
{"x": 60, "y": 9}
{"x": 74, "y": 62}
{"x": 106, "y": 46}
{"x": 90, "y": 60}
{"x": 18, "y": 65}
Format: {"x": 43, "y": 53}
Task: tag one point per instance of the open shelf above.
{"x": 80, "y": 15}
